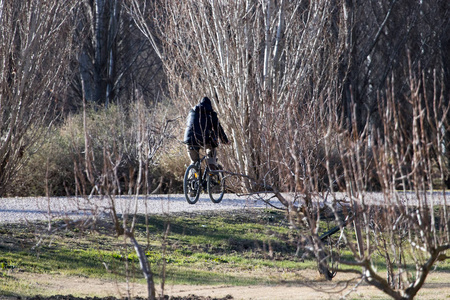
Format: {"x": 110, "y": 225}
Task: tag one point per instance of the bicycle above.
{"x": 211, "y": 181}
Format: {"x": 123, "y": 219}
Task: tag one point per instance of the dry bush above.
{"x": 47, "y": 169}
{"x": 59, "y": 156}
{"x": 35, "y": 48}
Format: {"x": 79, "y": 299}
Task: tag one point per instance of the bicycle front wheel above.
{"x": 216, "y": 186}
{"x": 191, "y": 184}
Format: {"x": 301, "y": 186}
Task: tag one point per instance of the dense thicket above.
{"x": 308, "y": 63}
{"x": 54, "y": 56}
{"x": 35, "y": 48}
{"x": 315, "y": 65}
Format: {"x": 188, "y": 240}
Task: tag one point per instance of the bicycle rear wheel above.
{"x": 191, "y": 184}
{"x": 216, "y": 186}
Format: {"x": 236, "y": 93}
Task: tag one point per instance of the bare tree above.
{"x": 408, "y": 229}
{"x": 120, "y": 147}
{"x": 35, "y": 45}
{"x": 113, "y": 60}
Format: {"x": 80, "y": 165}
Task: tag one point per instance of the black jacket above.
{"x": 203, "y": 126}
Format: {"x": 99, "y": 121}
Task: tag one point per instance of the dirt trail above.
{"x": 438, "y": 287}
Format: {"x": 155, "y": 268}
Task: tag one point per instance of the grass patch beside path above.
{"x": 232, "y": 248}
{"x": 242, "y": 247}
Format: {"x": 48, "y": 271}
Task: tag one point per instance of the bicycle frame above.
{"x": 199, "y": 164}
{"x": 207, "y": 178}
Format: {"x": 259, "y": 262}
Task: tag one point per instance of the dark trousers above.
{"x": 194, "y": 154}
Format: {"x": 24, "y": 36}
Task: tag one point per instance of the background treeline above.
{"x": 299, "y": 86}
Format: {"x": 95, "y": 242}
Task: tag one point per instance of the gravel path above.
{"x": 42, "y": 208}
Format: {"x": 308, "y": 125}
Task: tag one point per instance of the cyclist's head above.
{"x": 205, "y": 103}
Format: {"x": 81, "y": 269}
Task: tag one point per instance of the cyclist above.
{"x": 204, "y": 130}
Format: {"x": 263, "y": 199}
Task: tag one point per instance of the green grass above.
{"x": 207, "y": 248}
{"x": 227, "y": 248}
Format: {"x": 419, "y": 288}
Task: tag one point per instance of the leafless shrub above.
{"x": 35, "y": 47}
{"x": 409, "y": 229}
{"x": 237, "y": 53}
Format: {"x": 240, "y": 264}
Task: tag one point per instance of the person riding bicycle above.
{"x": 204, "y": 130}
